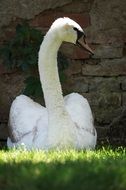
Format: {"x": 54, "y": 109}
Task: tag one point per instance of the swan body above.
{"x": 64, "y": 122}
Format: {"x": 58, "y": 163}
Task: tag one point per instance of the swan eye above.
{"x": 75, "y": 29}
{"x": 79, "y": 33}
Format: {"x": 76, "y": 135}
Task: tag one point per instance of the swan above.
{"x": 65, "y": 122}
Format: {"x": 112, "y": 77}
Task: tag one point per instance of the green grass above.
{"x": 102, "y": 169}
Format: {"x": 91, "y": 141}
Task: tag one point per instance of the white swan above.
{"x": 65, "y": 122}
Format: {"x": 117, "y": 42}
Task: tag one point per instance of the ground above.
{"x": 101, "y": 169}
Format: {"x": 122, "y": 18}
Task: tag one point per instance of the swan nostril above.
{"x": 84, "y": 38}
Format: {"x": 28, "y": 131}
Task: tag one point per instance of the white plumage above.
{"x": 65, "y": 122}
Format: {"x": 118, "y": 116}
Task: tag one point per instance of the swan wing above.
{"x": 26, "y": 117}
{"x": 81, "y": 114}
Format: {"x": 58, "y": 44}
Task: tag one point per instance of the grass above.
{"x": 102, "y": 169}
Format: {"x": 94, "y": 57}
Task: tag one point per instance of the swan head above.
{"x": 68, "y": 30}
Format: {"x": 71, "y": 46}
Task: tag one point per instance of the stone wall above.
{"x": 102, "y": 78}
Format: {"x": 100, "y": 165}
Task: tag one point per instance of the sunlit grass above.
{"x": 70, "y": 169}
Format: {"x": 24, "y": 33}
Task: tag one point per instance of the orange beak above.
{"x": 81, "y": 42}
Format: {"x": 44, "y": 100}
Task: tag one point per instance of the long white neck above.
{"x": 49, "y": 74}
{"x": 59, "y": 120}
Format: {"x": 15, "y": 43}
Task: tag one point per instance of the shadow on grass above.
{"x": 82, "y": 175}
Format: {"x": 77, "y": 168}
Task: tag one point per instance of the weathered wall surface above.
{"x": 102, "y": 78}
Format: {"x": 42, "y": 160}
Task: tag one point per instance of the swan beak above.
{"x": 81, "y": 42}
